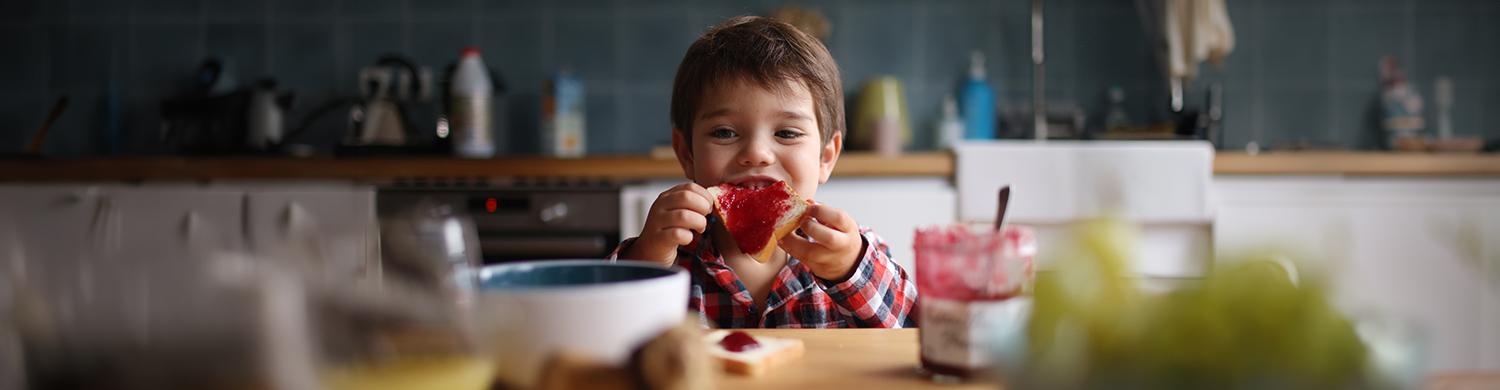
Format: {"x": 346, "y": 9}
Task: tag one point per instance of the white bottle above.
{"x": 1442, "y": 97}
{"x": 950, "y": 128}
{"x": 263, "y": 117}
{"x": 471, "y": 92}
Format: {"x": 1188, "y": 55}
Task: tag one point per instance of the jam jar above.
{"x": 972, "y": 284}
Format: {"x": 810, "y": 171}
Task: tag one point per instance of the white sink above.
{"x": 1162, "y": 185}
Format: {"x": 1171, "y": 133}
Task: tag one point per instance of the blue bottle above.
{"x": 978, "y": 102}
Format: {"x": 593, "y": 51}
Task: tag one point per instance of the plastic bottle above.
{"x": 1442, "y": 98}
{"x": 1401, "y": 105}
{"x": 978, "y": 101}
{"x": 563, "y": 122}
{"x": 950, "y": 129}
{"x": 471, "y": 92}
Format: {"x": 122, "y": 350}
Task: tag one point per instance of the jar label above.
{"x": 968, "y": 334}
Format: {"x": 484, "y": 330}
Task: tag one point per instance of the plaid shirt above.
{"x": 879, "y": 294}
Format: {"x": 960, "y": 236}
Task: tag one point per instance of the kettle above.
{"x": 397, "y": 93}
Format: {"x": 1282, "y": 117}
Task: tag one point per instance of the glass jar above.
{"x": 972, "y": 283}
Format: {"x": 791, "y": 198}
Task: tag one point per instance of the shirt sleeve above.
{"x": 879, "y": 293}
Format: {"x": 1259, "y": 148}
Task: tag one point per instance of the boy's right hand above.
{"x": 676, "y": 216}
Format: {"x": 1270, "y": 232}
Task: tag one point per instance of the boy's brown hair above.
{"x": 765, "y": 52}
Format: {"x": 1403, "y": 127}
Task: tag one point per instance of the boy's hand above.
{"x": 675, "y": 217}
{"x": 832, "y": 245}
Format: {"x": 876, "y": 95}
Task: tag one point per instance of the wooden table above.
{"x": 863, "y": 359}
{"x": 873, "y": 359}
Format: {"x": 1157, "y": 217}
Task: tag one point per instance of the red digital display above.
{"x": 490, "y": 205}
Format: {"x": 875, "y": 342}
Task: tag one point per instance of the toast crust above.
{"x": 783, "y": 228}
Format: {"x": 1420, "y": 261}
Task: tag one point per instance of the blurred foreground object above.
{"x": 1257, "y": 322}
{"x": 676, "y": 359}
{"x": 272, "y": 324}
{"x": 449, "y": 373}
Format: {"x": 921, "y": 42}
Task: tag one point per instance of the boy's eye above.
{"x": 721, "y": 133}
{"x": 788, "y": 134}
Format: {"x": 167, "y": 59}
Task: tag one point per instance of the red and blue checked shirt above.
{"x": 879, "y": 293}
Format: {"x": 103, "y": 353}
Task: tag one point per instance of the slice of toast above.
{"x": 758, "y": 218}
{"x": 773, "y": 351}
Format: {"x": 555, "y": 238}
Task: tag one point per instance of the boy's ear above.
{"x": 684, "y": 151}
{"x": 830, "y": 156}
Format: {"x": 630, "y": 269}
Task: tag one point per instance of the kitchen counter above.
{"x": 638, "y": 167}
{"x": 1356, "y": 164}
{"x": 394, "y": 169}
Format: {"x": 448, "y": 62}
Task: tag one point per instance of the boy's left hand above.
{"x": 832, "y": 245}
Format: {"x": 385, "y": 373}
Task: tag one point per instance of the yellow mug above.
{"x": 881, "y": 122}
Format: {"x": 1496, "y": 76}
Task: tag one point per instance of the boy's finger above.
{"x": 691, "y": 220}
{"x": 686, "y": 199}
{"x": 832, "y": 217}
{"x": 677, "y": 235}
{"x": 702, "y": 197}
{"x": 797, "y": 247}
{"x": 824, "y": 235}
{"x": 682, "y": 218}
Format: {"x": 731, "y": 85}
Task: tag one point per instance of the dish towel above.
{"x": 1195, "y": 30}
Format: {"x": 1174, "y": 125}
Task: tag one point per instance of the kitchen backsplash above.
{"x": 1301, "y": 70}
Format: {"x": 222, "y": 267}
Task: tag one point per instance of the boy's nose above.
{"x": 756, "y": 154}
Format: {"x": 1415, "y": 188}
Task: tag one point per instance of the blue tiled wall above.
{"x": 1302, "y": 70}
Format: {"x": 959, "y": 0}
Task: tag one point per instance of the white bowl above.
{"x": 594, "y": 307}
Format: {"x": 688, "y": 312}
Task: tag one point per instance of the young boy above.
{"x": 755, "y": 101}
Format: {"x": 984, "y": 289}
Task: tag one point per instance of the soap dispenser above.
{"x": 950, "y": 130}
{"x": 978, "y": 101}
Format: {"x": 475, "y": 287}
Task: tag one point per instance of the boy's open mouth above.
{"x": 753, "y": 182}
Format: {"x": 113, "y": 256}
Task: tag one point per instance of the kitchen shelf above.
{"x": 389, "y": 169}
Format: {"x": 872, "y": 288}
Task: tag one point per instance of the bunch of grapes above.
{"x": 1252, "y": 323}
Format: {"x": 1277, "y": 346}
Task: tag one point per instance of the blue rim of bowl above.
{"x": 486, "y": 271}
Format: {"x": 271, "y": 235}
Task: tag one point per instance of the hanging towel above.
{"x": 1195, "y": 31}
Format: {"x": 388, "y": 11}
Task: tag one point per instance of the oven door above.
{"x": 499, "y": 248}
{"x": 528, "y": 223}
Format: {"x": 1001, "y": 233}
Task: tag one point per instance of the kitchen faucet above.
{"x": 1038, "y": 93}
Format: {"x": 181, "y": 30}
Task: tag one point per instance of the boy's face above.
{"x": 749, "y": 135}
